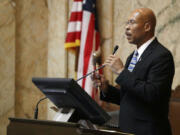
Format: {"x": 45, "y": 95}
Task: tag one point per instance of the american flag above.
{"x": 84, "y": 23}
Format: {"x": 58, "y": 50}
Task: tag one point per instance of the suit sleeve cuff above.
{"x": 125, "y": 78}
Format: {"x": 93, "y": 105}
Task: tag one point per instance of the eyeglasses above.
{"x": 130, "y": 22}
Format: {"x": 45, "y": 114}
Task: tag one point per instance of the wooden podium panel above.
{"x": 40, "y": 127}
{"x": 20, "y": 126}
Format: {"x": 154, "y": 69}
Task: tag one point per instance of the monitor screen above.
{"x": 66, "y": 93}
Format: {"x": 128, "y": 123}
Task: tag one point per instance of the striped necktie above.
{"x": 133, "y": 61}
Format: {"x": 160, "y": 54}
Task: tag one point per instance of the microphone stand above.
{"x": 90, "y": 73}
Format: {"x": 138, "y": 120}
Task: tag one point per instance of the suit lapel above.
{"x": 149, "y": 49}
{"x": 146, "y": 53}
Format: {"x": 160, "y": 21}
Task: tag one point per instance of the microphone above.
{"x": 36, "y": 109}
{"x": 114, "y": 51}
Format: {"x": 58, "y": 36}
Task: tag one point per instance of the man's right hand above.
{"x": 115, "y": 64}
{"x": 100, "y": 82}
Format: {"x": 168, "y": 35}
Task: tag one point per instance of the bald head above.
{"x": 147, "y": 16}
{"x": 140, "y": 26}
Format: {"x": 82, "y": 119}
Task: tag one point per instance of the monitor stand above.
{"x": 64, "y": 114}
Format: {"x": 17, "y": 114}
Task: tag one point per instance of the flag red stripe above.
{"x": 88, "y": 46}
{"x": 76, "y": 16}
{"x": 72, "y": 36}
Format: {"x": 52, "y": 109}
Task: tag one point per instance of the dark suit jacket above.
{"x": 145, "y": 92}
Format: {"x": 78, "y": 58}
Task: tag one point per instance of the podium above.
{"x": 19, "y": 126}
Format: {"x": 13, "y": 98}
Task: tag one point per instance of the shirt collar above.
{"x": 142, "y": 48}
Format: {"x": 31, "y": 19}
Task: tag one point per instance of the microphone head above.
{"x": 115, "y": 49}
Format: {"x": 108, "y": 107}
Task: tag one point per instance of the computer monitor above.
{"x": 66, "y": 93}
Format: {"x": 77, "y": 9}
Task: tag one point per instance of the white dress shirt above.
{"x": 142, "y": 48}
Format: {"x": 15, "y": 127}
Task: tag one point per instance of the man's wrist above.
{"x": 120, "y": 70}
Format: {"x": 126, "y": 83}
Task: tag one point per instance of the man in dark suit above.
{"x": 145, "y": 80}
